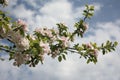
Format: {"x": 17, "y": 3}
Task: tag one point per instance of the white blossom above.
{"x": 32, "y": 37}
{"x": 89, "y": 46}
{"x": 65, "y": 40}
{"x": 48, "y": 33}
{"x": 95, "y": 52}
{"x": 85, "y": 25}
{"x": 23, "y": 24}
{"x": 40, "y": 30}
{"x": 44, "y": 32}
{"x": 45, "y": 47}
{"x": 21, "y": 58}
{"x": 21, "y": 43}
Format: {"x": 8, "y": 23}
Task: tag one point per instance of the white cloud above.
{"x": 52, "y": 13}
{"x": 97, "y": 6}
{"x": 21, "y": 12}
{"x": 12, "y": 3}
{"x": 32, "y": 3}
{"x": 57, "y": 9}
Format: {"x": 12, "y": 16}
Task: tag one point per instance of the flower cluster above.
{"x": 65, "y": 41}
{"x": 22, "y": 24}
{"x": 44, "y": 32}
{"x": 22, "y": 43}
{"x": 93, "y": 51}
{"x": 21, "y": 59}
{"x": 45, "y": 47}
{"x": 89, "y": 45}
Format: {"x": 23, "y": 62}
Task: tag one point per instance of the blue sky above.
{"x": 104, "y": 25}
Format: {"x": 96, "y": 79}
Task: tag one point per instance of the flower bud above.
{"x": 22, "y": 24}
{"x": 89, "y": 45}
{"x": 65, "y": 40}
{"x": 85, "y": 25}
{"x": 45, "y": 47}
{"x": 95, "y": 52}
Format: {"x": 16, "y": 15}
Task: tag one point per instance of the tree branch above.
{"x": 6, "y": 50}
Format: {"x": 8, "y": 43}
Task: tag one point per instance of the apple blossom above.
{"x": 65, "y": 40}
{"x": 95, "y": 52}
{"x": 20, "y": 59}
{"x": 85, "y": 25}
{"x": 22, "y": 24}
{"x": 32, "y": 37}
{"x": 44, "y": 31}
{"x": 89, "y": 45}
{"x": 39, "y": 30}
{"x": 22, "y": 43}
{"x": 45, "y": 47}
{"x": 48, "y": 33}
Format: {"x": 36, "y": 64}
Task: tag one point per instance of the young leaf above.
{"x": 91, "y": 8}
{"x": 115, "y": 43}
{"x": 63, "y": 56}
{"x": 60, "y": 58}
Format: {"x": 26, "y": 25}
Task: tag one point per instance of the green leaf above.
{"x": 95, "y": 61}
{"x": 107, "y": 43}
{"x": 87, "y": 7}
{"x": 60, "y": 58}
{"x": 94, "y": 45}
{"x": 88, "y": 61}
{"x": 103, "y": 51}
{"x": 90, "y": 14}
{"x": 11, "y": 56}
{"x": 91, "y": 8}
{"x": 113, "y": 49}
{"x": 36, "y": 62}
{"x": 22, "y": 32}
{"x": 6, "y": 27}
{"x": 115, "y": 44}
{"x": 85, "y": 11}
{"x": 63, "y": 56}
{"x": 102, "y": 45}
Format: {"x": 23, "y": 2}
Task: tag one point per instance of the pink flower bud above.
{"x": 65, "y": 40}
{"x": 88, "y": 45}
{"x": 85, "y": 25}
{"x": 48, "y": 33}
{"x": 32, "y": 37}
{"x": 46, "y": 47}
{"x": 22, "y": 24}
{"x": 40, "y": 30}
{"x": 96, "y": 52}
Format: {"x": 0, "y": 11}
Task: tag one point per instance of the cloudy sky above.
{"x": 104, "y": 25}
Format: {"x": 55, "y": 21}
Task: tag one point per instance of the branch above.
{"x": 6, "y": 50}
